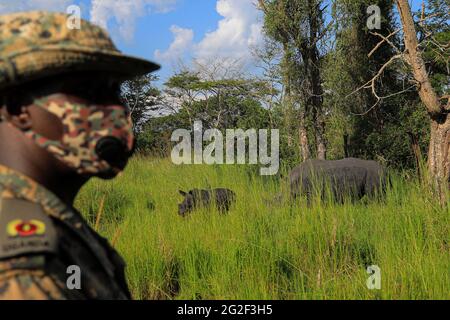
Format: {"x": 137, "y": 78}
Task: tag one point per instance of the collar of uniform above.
{"x": 14, "y": 184}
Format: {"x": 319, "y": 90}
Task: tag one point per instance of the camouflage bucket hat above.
{"x": 38, "y": 44}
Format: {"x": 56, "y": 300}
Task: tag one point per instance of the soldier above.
{"x": 61, "y": 123}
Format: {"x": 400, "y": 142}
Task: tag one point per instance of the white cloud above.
{"x": 182, "y": 43}
{"x": 125, "y": 12}
{"x": 8, "y": 6}
{"x": 238, "y": 30}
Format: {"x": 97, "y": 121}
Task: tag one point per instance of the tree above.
{"x": 212, "y": 91}
{"x": 360, "y": 124}
{"x": 268, "y": 57}
{"x": 298, "y": 25}
{"x": 221, "y": 100}
{"x": 142, "y": 98}
{"x": 437, "y": 107}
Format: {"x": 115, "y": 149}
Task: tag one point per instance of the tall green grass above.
{"x": 266, "y": 250}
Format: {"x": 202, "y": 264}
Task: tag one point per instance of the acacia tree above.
{"x": 182, "y": 90}
{"x": 211, "y": 91}
{"x": 198, "y": 83}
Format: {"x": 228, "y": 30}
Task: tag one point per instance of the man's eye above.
{"x": 102, "y": 92}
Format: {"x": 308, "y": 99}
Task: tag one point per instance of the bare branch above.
{"x": 414, "y": 58}
{"x": 371, "y": 82}
{"x": 385, "y": 39}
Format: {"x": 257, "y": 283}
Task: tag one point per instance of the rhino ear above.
{"x": 182, "y": 193}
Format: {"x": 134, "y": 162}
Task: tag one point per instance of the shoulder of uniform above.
{"x": 25, "y": 229}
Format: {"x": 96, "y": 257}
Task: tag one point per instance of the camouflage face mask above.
{"x": 96, "y": 140}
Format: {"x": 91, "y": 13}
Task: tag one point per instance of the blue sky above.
{"x": 169, "y": 31}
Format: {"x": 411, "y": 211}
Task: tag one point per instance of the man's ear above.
{"x": 182, "y": 193}
{"x": 21, "y": 120}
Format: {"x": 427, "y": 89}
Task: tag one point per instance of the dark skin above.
{"x": 23, "y": 155}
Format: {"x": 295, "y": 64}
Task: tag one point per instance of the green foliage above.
{"x": 379, "y": 131}
{"x": 265, "y": 250}
{"x": 156, "y": 133}
{"x": 307, "y": 91}
{"x": 436, "y": 53}
{"x": 141, "y": 97}
{"x": 220, "y": 104}
{"x": 299, "y": 29}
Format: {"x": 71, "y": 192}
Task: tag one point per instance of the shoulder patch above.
{"x": 25, "y": 229}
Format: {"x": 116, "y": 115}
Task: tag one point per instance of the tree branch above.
{"x": 371, "y": 82}
{"x": 415, "y": 60}
{"x": 385, "y": 39}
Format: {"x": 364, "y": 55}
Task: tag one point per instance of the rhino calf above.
{"x": 350, "y": 177}
{"x": 196, "y": 198}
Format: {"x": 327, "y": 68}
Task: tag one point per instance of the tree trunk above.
{"x": 320, "y": 138}
{"x": 346, "y": 146}
{"x": 415, "y": 60}
{"x": 287, "y": 115}
{"x": 438, "y": 156}
{"x": 417, "y": 154}
{"x": 303, "y": 137}
{"x": 319, "y": 131}
{"x": 311, "y": 62}
{"x": 287, "y": 96}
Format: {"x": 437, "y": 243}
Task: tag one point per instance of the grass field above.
{"x": 261, "y": 251}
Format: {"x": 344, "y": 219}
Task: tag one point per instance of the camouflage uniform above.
{"x": 33, "y": 264}
{"x": 40, "y": 236}
{"x": 38, "y": 44}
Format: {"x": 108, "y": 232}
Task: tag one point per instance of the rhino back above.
{"x": 224, "y": 195}
{"x": 346, "y": 175}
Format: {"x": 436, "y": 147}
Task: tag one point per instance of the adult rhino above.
{"x": 348, "y": 177}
